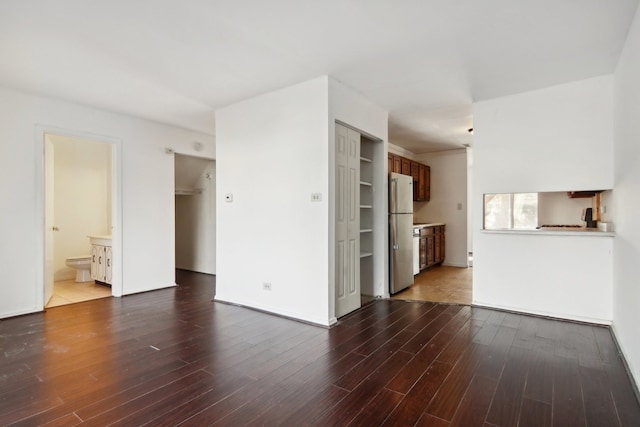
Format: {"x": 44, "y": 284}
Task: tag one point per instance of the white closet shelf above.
{"x": 366, "y": 183}
{"x": 365, "y": 254}
{"x": 366, "y": 206}
{"x": 365, "y": 159}
{"x": 188, "y": 191}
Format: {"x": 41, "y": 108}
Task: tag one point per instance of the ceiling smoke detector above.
{"x": 470, "y": 130}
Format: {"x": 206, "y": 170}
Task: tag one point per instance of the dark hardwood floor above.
{"x": 174, "y": 357}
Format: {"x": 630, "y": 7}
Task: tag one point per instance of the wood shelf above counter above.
{"x": 421, "y": 175}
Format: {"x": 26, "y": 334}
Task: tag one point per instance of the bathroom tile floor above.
{"x": 70, "y": 291}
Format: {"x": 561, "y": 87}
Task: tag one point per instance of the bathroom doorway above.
{"x": 195, "y": 214}
{"x": 79, "y": 177}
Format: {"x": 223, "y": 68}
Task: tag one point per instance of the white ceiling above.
{"x": 426, "y": 61}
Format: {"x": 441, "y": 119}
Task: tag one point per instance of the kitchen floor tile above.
{"x": 441, "y": 284}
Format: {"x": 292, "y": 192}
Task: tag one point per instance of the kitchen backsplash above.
{"x": 558, "y": 208}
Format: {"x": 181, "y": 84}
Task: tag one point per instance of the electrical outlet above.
{"x": 266, "y": 286}
{"x": 316, "y": 197}
{"x": 228, "y": 197}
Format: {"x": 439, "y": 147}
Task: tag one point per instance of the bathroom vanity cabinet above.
{"x": 101, "y": 259}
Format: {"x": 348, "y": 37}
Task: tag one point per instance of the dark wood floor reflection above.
{"x": 174, "y": 357}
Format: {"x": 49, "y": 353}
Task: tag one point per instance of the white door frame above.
{"x": 214, "y": 186}
{"x": 116, "y": 204}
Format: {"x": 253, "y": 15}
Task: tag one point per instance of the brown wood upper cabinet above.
{"x": 581, "y": 194}
{"x": 421, "y": 175}
{"x": 397, "y": 164}
{"x": 406, "y": 166}
{"x": 424, "y": 183}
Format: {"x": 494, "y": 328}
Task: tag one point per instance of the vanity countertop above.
{"x": 97, "y": 236}
{"x": 104, "y": 240}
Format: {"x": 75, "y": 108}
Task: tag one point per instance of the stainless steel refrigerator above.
{"x": 400, "y": 232}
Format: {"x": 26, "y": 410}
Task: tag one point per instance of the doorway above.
{"x": 360, "y": 218}
{"x": 451, "y": 203}
{"x": 80, "y": 176}
{"x": 195, "y": 214}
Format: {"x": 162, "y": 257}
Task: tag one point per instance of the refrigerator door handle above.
{"x": 395, "y": 195}
{"x": 392, "y": 195}
{"x": 395, "y": 209}
{"x": 395, "y": 235}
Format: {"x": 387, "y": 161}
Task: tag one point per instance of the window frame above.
{"x": 511, "y": 213}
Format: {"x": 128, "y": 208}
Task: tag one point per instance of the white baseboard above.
{"x": 632, "y": 378}
{"x": 455, "y": 264}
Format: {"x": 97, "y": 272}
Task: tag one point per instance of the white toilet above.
{"x": 82, "y": 265}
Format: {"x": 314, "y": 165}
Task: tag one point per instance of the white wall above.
{"x": 196, "y": 224}
{"x": 396, "y": 149}
{"x": 272, "y": 153}
{"x": 559, "y": 276}
{"x": 552, "y": 139}
{"x": 606, "y": 204}
{"x": 448, "y": 190}
{"x": 470, "y": 199}
{"x": 351, "y": 108}
{"x": 147, "y": 229}
{"x": 626, "y": 200}
{"x": 82, "y": 202}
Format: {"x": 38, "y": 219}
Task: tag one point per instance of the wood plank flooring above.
{"x": 174, "y": 357}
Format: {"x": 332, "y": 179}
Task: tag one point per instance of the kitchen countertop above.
{"x": 430, "y": 224}
{"x": 592, "y": 232}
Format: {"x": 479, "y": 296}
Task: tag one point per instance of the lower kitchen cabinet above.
{"x": 431, "y": 259}
{"x": 432, "y": 245}
{"x": 439, "y": 244}
{"x": 423, "y": 253}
